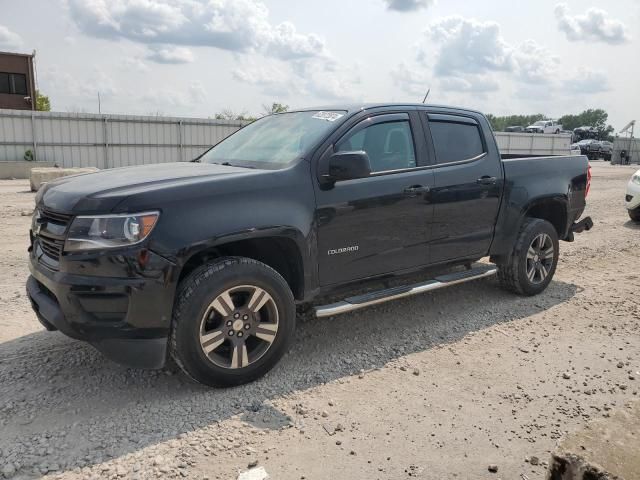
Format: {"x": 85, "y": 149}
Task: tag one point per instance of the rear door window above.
{"x": 454, "y": 142}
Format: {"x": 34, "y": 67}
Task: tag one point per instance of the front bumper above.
{"x": 125, "y": 315}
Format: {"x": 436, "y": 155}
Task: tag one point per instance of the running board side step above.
{"x": 373, "y": 298}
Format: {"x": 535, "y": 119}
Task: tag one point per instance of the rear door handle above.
{"x": 416, "y": 190}
{"x": 486, "y": 180}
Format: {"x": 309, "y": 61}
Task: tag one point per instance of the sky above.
{"x": 194, "y": 58}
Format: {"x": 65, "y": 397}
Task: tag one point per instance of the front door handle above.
{"x": 486, "y": 180}
{"x": 416, "y": 190}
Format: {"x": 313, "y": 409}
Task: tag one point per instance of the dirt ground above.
{"x": 437, "y": 386}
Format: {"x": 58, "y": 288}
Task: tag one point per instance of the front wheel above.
{"x": 533, "y": 260}
{"x": 634, "y": 214}
{"x": 234, "y": 319}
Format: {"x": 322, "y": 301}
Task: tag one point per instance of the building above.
{"x": 17, "y": 81}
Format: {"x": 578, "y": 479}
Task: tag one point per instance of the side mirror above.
{"x": 348, "y": 166}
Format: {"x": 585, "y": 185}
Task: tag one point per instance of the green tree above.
{"x": 275, "y": 108}
{"x": 596, "y": 118}
{"x": 228, "y": 114}
{"x": 500, "y": 123}
{"x": 43, "y": 104}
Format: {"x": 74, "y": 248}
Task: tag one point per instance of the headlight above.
{"x": 109, "y": 231}
{"x": 636, "y": 178}
{"x": 35, "y": 221}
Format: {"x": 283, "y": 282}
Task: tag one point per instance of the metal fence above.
{"x": 106, "y": 141}
{"x": 533, "y": 143}
{"x": 630, "y": 147}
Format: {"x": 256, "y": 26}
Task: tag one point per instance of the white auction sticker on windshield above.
{"x": 328, "y": 116}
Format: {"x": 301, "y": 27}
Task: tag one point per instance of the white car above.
{"x": 544, "y": 126}
{"x": 632, "y": 199}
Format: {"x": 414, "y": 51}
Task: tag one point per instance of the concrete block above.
{"x": 20, "y": 169}
{"x": 40, "y": 176}
{"x": 605, "y": 449}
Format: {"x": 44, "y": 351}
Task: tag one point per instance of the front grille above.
{"x": 59, "y": 218}
{"x": 51, "y": 247}
{"x": 51, "y": 235}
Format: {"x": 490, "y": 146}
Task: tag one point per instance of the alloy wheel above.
{"x": 539, "y": 258}
{"x": 239, "y": 326}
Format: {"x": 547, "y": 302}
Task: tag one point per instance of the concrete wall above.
{"x": 22, "y": 169}
{"x": 107, "y": 141}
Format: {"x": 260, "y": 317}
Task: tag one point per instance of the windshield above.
{"x": 275, "y": 140}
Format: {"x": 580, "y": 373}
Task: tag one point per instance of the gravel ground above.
{"x": 442, "y": 385}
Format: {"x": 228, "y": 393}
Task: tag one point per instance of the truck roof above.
{"x": 356, "y": 107}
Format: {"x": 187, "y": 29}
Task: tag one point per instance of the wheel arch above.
{"x": 553, "y": 209}
{"x": 280, "y": 249}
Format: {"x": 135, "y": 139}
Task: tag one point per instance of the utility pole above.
{"x": 99, "y": 106}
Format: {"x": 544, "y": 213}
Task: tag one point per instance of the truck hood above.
{"x": 102, "y": 191}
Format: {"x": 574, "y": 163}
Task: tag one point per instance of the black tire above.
{"x": 634, "y": 214}
{"x": 194, "y": 309}
{"x": 512, "y": 273}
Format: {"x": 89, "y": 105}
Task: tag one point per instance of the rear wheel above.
{"x": 234, "y": 319}
{"x": 532, "y": 263}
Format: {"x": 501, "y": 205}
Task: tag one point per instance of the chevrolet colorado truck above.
{"x": 208, "y": 261}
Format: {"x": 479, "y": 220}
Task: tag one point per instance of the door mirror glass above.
{"x": 349, "y": 165}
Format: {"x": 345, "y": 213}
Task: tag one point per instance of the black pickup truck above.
{"x": 208, "y": 261}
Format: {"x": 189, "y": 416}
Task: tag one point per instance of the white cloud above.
{"x": 9, "y": 40}
{"x": 286, "y": 43}
{"x": 594, "y": 25}
{"x": 234, "y": 25}
{"x": 270, "y": 77}
{"x": 534, "y": 63}
{"x": 408, "y": 5}
{"x": 468, "y": 55}
{"x": 587, "y": 81}
{"x": 473, "y": 84}
{"x": 411, "y": 79}
{"x": 465, "y": 46}
{"x": 135, "y": 64}
{"x": 61, "y": 84}
{"x": 325, "y": 81}
{"x": 320, "y": 78}
{"x": 169, "y": 54}
{"x": 157, "y": 99}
